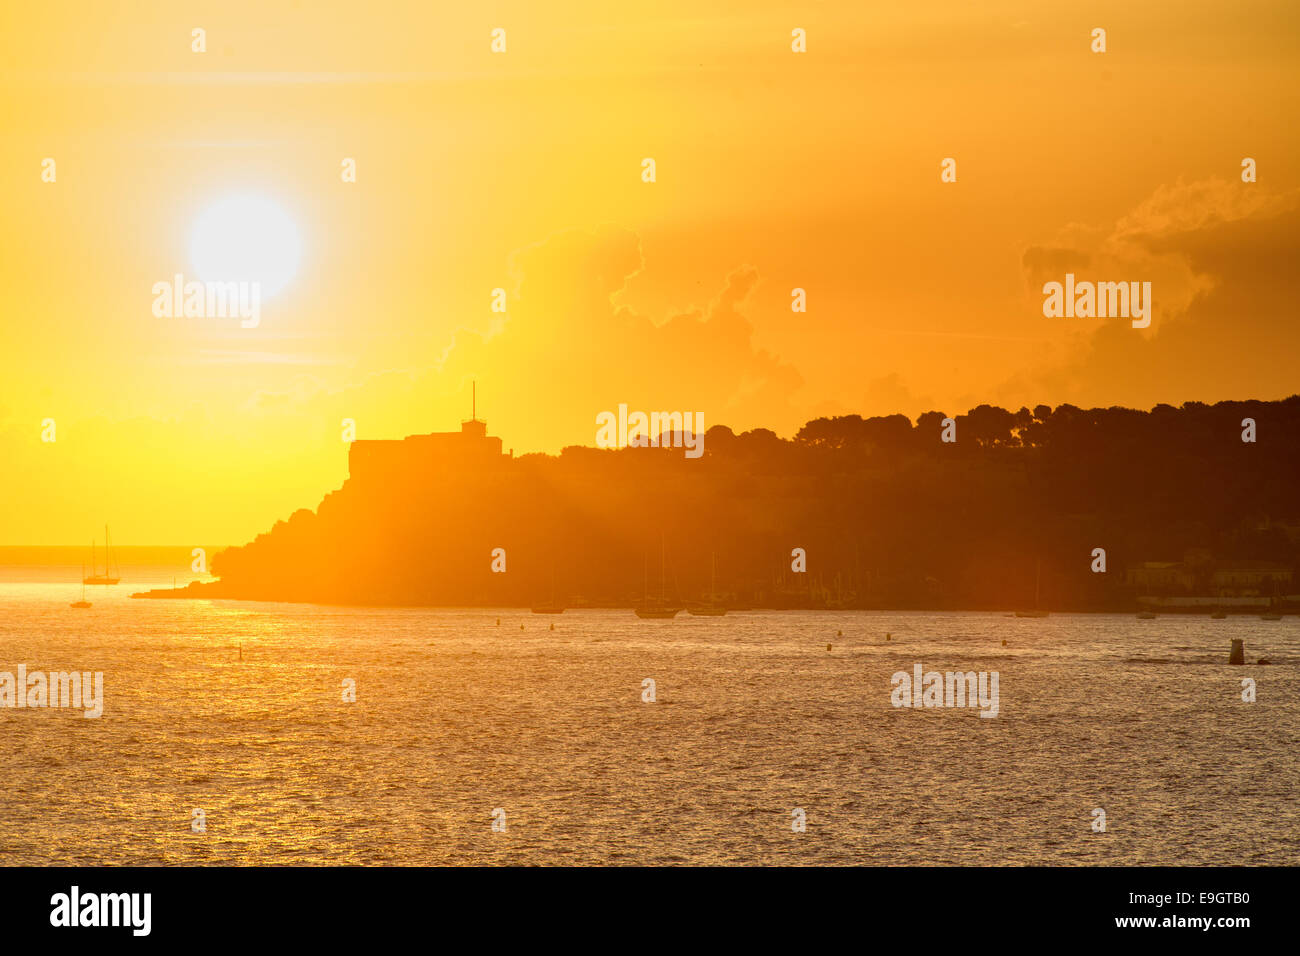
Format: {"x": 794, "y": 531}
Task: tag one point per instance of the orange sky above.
{"x": 522, "y": 170}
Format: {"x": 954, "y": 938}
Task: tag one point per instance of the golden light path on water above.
{"x": 456, "y": 716}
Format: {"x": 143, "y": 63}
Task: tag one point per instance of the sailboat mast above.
{"x": 663, "y": 585}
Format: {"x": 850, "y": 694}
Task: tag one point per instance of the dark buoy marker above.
{"x": 1004, "y": 642}
{"x": 828, "y": 647}
{"x": 1238, "y": 655}
{"x": 888, "y": 636}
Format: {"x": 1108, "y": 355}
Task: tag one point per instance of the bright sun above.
{"x": 246, "y": 238}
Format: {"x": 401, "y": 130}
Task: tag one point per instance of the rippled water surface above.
{"x": 457, "y": 715}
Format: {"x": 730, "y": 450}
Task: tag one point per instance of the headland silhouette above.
{"x": 1189, "y": 515}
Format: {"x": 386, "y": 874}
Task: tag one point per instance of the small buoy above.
{"x": 1004, "y": 642}
{"x": 839, "y": 633}
{"x": 1238, "y": 653}
{"x": 828, "y": 647}
{"x": 889, "y": 637}
{"x": 552, "y": 627}
{"x": 521, "y": 627}
{"x": 1263, "y": 660}
{"x": 498, "y": 622}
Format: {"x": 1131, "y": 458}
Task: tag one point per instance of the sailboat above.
{"x": 1272, "y": 614}
{"x": 660, "y": 610}
{"x": 1035, "y": 611}
{"x": 110, "y": 570}
{"x": 550, "y": 607}
{"x": 83, "y": 602}
{"x": 713, "y": 608}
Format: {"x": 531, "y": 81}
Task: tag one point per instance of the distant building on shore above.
{"x": 1198, "y": 580}
{"x": 470, "y": 448}
{"x": 1151, "y": 577}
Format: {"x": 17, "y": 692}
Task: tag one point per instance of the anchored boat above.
{"x": 110, "y": 575}
{"x": 83, "y": 602}
{"x": 660, "y": 611}
{"x": 550, "y": 607}
{"x": 713, "y": 608}
{"x": 1035, "y": 611}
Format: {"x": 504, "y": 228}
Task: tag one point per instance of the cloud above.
{"x": 1220, "y": 256}
{"x": 566, "y": 336}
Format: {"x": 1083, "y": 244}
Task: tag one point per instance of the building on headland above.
{"x": 470, "y": 449}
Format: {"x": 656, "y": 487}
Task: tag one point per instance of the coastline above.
{"x": 215, "y": 590}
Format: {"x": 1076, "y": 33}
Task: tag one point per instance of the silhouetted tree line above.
{"x": 888, "y": 514}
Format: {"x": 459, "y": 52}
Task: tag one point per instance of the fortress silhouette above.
{"x": 371, "y": 460}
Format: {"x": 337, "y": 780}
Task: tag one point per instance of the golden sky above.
{"x": 522, "y": 170}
